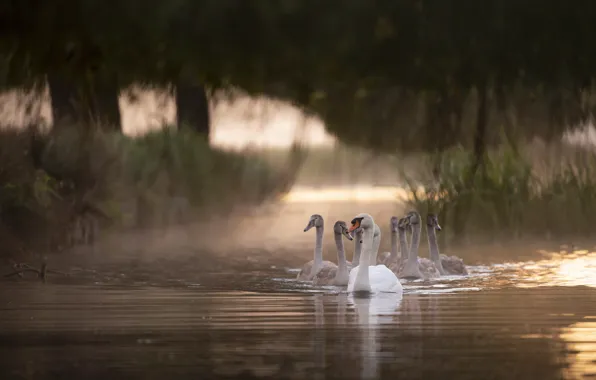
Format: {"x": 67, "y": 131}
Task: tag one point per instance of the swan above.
{"x": 447, "y": 265}
{"x": 377, "y": 278}
{"x": 336, "y": 275}
{"x": 396, "y": 266}
{"x": 358, "y": 245}
{"x": 387, "y": 258}
{"x": 417, "y": 267}
{"x": 376, "y": 245}
{"x": 310, "y": 269}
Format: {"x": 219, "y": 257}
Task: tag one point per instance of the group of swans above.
{"x": 383, "y": 271}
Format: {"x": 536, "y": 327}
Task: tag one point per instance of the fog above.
{"x": 274, "y": 231}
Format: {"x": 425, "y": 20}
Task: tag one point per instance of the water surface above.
{"x": 529, "y": 320}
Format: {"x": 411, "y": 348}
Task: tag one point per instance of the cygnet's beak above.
{"x": 346, "y": 233}
{"x": 310, "y": 225}
{"x": 438, "y": 227}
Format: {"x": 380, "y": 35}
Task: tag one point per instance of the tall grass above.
{"x": 540, "y": 192}
{"x": 48, "y": 183}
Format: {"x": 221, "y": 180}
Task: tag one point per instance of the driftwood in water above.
{"x": 20, "y": 268}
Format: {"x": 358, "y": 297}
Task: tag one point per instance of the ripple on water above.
{"x": 570, "y": 269}
{"x": 485, "y": 325}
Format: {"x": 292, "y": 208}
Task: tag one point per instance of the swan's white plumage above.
{"x": 378, "y": 278}
{"x": 382, "y": 280}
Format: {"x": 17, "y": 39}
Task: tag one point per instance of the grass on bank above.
{"x": 542, "y": 192}
{"x": 51, "y": 184}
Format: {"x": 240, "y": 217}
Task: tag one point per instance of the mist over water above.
{"x": 220, "y": 299}
{"x": 164, "y": 310}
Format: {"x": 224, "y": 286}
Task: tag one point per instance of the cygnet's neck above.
{"x": 341, "y": 254}
{"x": 393, "y": 255}
{"x": 433, "y": 247}
{"x": 415, "y": 243}
{"x": 403, "y": 244}
{"x": 318, "y": 260}
{"x": 375, "y": 247}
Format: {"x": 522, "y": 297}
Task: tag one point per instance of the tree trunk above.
{"x": 106, "y": 106}
{"x": 192, "y": 108}
{"x": 64, "y": 97}
{"x": 96, "y": 103}
{"x": 480, "y": 135}
{"x": 463, "y": 206}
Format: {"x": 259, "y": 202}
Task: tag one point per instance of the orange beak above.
{"x": 354, "y": 226}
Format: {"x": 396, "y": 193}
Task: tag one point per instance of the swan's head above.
{"x": 316, "y": 220}
{"x": 340, "y": 228}
{"x": 412, "y": 218}
{"x": 433, "y": 221}
{"x": 402, "y": 224}
{"x": 394, "y": 224}
{"x": 362, "y": 221}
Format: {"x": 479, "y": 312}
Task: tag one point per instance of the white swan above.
{"x": 357, "y": 234}
{"x": 336, "y": 275}
{"x": 377, "y": 278}
{"x": 388, "y": 258}
{"x": 447, "y": 265}
{"x": 310, "y": 269}
{"x": 417, "y": 267}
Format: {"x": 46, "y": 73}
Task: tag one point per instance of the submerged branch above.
{"x": 21, "y": 268}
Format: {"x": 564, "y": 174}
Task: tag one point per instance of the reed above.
{"x": 63, "y": 187}
{"x": 542, "y": 191}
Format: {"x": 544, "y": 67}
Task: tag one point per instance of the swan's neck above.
{"x": 415, "y": 243}
{"x": 433, "y": 247}
{"x": 393, "y": 256}
{"x": 341, "y": 254}
{"x": 362, "y": 282}
{"x": 375, "y": 248}
{"x": 403, "y": 244}
{"x": 357, "y": 249}
{"x": 318, "y": 260}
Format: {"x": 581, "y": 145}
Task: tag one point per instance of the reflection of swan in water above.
{"x": 319, "y": 335}
{"x": 377, "y": 278}
{"x": 371, "y": 312}
{"x": 432, "y": 312}
{"x": 310, "y": 269}
{"x": 379, "y": 309}
{"x": 410, "y": 319}
{"x": 342, "y": 300}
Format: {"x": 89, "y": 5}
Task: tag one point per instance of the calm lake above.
{"x": 170, "y": 320}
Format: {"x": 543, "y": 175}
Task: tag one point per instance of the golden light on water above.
{"x": 347, "y": 194}
{"x": 581, "y": 338}
{"x": 561, "y": 269}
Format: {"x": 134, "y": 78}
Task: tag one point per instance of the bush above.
{"x": 51, "y": 183}
{"x": 515, "y": 196}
